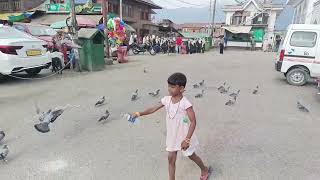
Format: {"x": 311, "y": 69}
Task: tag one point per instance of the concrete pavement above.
{"x": 263, "y": 136}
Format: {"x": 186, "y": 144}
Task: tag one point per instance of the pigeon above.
{"x": 134, "y": 96}
{"x": 46, "y": 119}
{"x": 196, "y": 86}
{"x": 4, "y": 151}
{"x": 231, "y": 102}
{"x": 256, "y": 90}
{"x": 200, "y": 95}
{"x": 235, "y": 95}
{"x": 154, "y": 94}
{"x": 144, "y": 70}
{"x": 100, "y": 102}
{"x": 302, "y": 107}
{"x": 201, "y": 83}
{"x": 224, "y": 91}
{"x": 222, "y": 87}
{"x": 104, "y": 117}
{"x": 2, "y": 135}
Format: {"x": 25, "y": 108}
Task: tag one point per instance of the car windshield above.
{"x": 41, "y": 31}
{"x": 11, "y": 33}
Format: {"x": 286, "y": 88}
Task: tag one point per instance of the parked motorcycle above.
{"x": 142, "y": 48}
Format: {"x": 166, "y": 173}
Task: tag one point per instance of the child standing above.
{"x": 181, "y": 124}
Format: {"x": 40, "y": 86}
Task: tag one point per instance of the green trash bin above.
{"x": 92, "y": 51}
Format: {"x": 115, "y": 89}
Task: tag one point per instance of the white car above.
{"x": 22, "y": 52}
{"x": 299, "y": 57}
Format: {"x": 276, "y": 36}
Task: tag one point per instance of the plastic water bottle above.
{"x": 131, "y": 118}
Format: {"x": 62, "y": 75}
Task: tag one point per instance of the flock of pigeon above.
{"x": 51, "y": 115}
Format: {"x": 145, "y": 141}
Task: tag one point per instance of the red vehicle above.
{"x": 42, "y": 32}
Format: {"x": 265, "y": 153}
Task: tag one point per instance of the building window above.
{"x": 114, "y": 8}
{"x": 127, "y": 10}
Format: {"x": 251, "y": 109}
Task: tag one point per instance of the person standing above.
{"x": 278, "y": 42}
{"x": 253, "y": 43}
{"x": 221, "y": 45}
{"x": 181, "y": 125}
{"x": 178, "y": 44}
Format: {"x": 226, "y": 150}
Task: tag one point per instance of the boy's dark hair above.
{"x": 177, "y": 79}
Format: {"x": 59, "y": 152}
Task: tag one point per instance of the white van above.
{"x": 299, "y": 57}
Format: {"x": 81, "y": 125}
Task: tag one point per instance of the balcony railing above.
{"x": 5, "y": 6}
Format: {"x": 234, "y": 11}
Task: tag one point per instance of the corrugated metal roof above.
{"x": 87, "y": 32}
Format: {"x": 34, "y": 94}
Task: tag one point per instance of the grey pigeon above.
{"x": 134, "y": 95}
{"x": 196, "y": 86}
{"x": 2, "y": 135}
{"x": 231, "y": 102}
{"x": 101, "y": 101}
{"x": 46, "y": 119}
{"x": 154, "y": 94}
{"x": 200, "y": 95}
{"x": 302, "y": 107}
{"x": 235, "y": 95}
{"x": 201, "y": 83}
{"x": 224, "y": 91}
{"x": 256, "y": 90}
{"x": 222, "y": 87}
{"x": 105, "y": 116}
{"x": 4, "y": 151}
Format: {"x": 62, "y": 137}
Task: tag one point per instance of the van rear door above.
{"x": 302, "y": 46}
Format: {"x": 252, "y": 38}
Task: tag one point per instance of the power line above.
{"x": 185, "y": 2}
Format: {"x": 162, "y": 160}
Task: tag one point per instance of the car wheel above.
{"x": 297, "y": 77}
{"x": 34, "y": 71}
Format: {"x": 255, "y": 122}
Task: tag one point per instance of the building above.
{"x": 201, "y": 28}
{"x": 316, "y": 13}
{"x": 305, "y": 11}
{"x": 7, "y": 6}
{"x": 251, "y": 18}
{"x": 136, "y": 13}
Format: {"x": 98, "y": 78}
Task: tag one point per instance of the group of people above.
{"x": 170, "y": 44}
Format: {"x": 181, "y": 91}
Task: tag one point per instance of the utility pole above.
{"x": 73, "y": 19}
{"x": 121, "y": 9}
{"x": 213, "y": 15}
{"x": 105, "y": 20}
{"x": 74, "y": 35}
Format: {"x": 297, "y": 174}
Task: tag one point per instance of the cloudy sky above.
{"x": 176, "y": 3}
{"x": 171, "y": 4}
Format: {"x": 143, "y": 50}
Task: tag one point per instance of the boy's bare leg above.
{"x": 195, "y": 158}
{"x": 172, "y": 157}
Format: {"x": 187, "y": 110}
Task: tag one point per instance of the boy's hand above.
{"x": 135, "y": 114}
{"x": 184, "y": 145}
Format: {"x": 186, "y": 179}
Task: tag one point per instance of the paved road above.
{"x": 262, "y": 137}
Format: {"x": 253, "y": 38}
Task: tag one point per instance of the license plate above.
{"x": 33, "y": 52}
